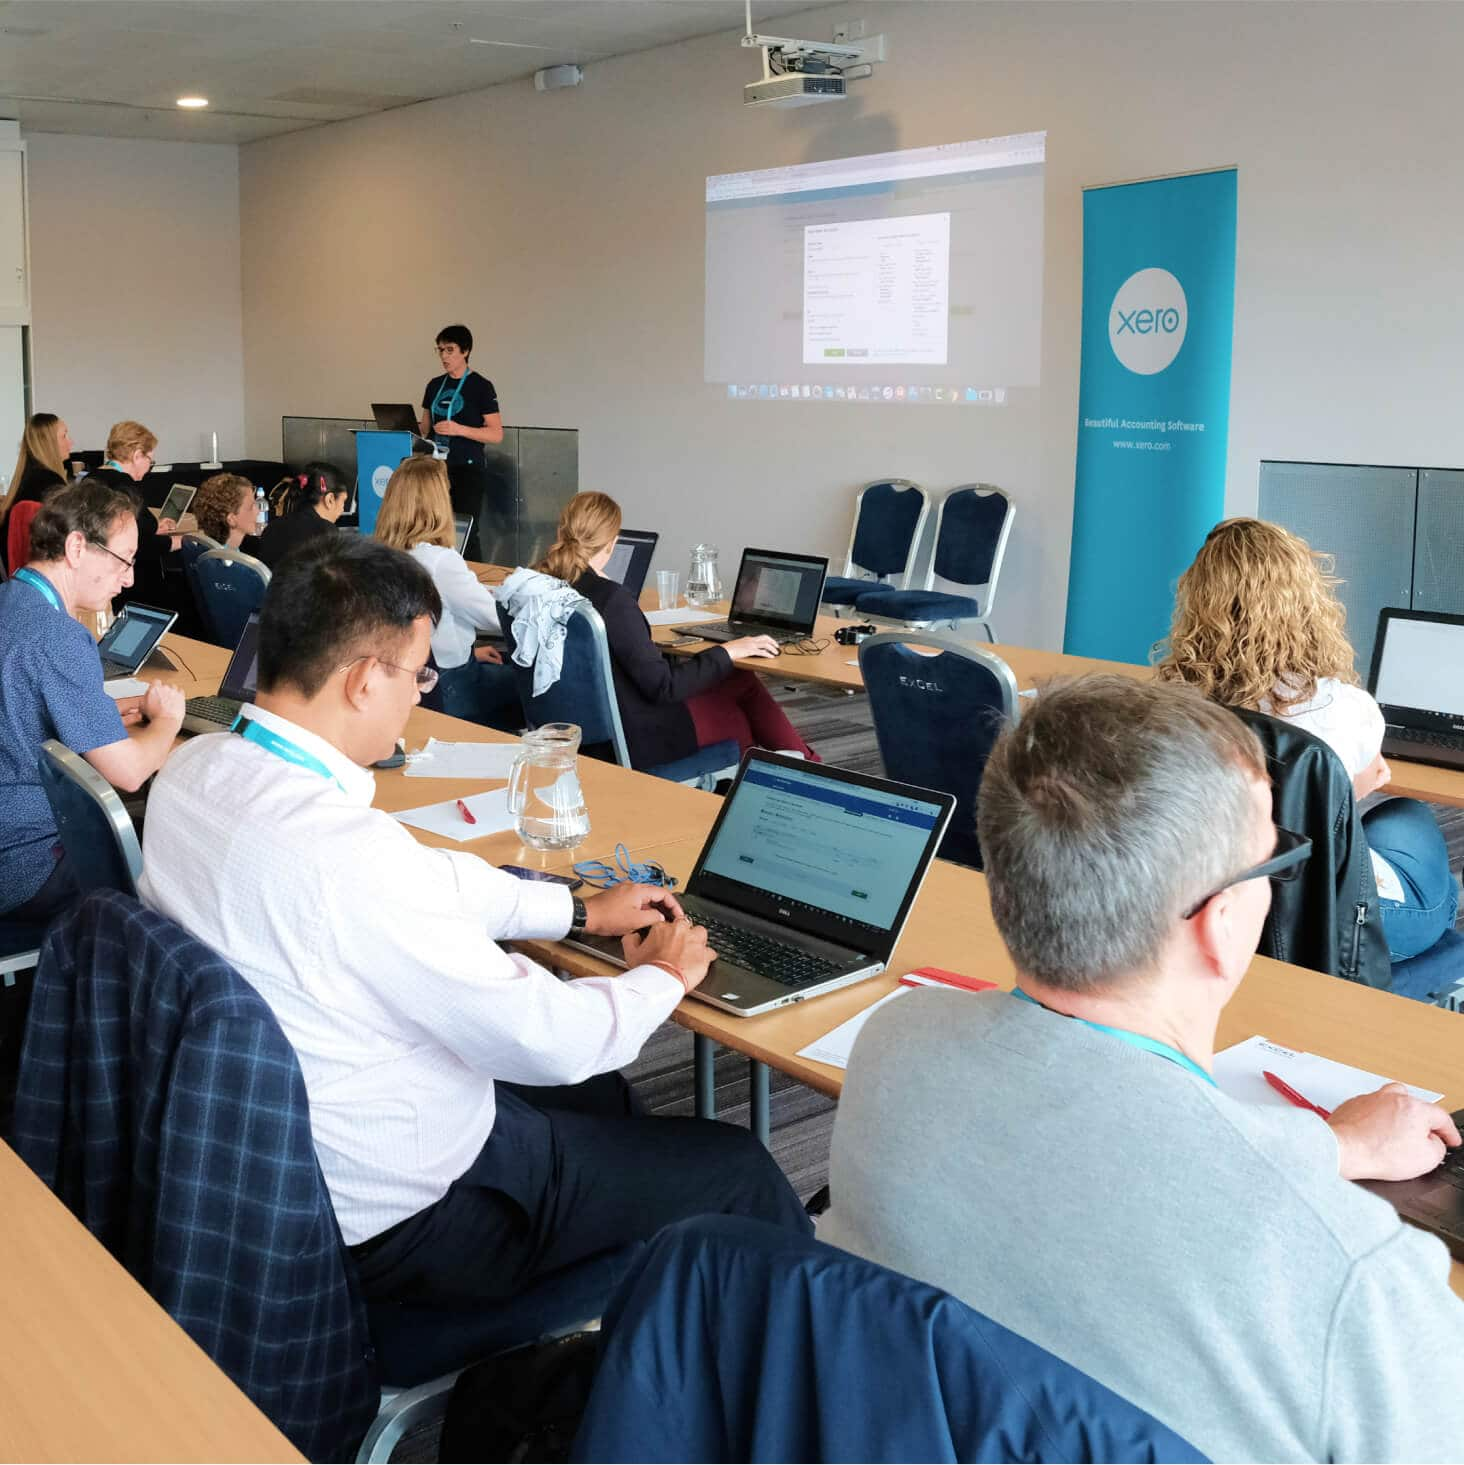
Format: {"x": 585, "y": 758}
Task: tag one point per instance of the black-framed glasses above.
{"x": 1292, "y": 851}
{"x": 121, "y": 559}
{"x": 424, "y": 676}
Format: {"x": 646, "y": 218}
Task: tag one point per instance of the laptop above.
{"x": 805, "y": 882}
{"x": 1418, "y": 679}
{"x": 176, "y": 504}
{"x": 1433, "y": 1202}
{"x": 462, "y": 525}
{"x": 133, "y": 637}
{"x": 395, "y": 417}
{"x": 776, "y": 595}
{"x": 630, "y": 560}
{"x": 217, "y": 714}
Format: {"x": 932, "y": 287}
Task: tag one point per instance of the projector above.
{"x": 797, "y": 89}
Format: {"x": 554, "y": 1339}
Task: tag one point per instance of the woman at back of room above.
{"x": 303, "y": 507}
{"x": 40, "y": 467}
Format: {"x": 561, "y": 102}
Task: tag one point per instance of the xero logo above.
{"x": 1148, "y": 320}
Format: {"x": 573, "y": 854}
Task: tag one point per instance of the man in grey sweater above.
{"x": 1060, "y": 1159}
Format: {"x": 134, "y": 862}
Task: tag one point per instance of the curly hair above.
{"x": 1256, "y": 619}
{"x": 216, "y": 499}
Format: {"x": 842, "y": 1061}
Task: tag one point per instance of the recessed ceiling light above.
{"x": 193, "y": 102}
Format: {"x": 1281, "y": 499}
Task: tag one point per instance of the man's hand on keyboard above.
{"x": 629, "y": 907}
{"x": 679, "y": 944}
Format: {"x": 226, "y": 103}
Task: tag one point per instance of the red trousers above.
{"x": 741, "y": 708}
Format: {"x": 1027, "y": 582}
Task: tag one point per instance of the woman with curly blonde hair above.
{"x": 1257, "y": 624}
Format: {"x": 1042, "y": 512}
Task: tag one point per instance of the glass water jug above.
{"x": 544, "y": 793}
{"x": 704, "y": 583}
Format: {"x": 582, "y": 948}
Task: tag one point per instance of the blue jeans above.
{"x": 479, "y": 691}
{"x": 1405, "y": 834}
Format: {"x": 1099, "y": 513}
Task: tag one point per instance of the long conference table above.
{"x": 91, "y": 1368}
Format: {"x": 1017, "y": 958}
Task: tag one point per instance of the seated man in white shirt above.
{"x": 378, "y": 955}
{"x": 1060, "y": 1158}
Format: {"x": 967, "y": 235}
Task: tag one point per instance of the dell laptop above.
{"x": 806, "y": 880}
{"x": 1418, "y": 679}
{"x": 776, "y": 595}
{"x": 133, "y": 637}
{"x": 1433, "y": 1202}
{"x": 630, "y": 560}
{"x": 217, "y": 714}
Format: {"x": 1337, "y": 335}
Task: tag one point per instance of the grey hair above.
{"x": 1110, "y": 809}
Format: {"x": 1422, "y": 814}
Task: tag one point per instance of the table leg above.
{"x": 704, "y": 1056}
{"x": 761, "y": 1100}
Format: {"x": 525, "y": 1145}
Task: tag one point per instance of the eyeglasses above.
{"x": 424, "y": 676}
{"x": 625, "y": 870}
{"x": 121, "y": 559}
{"x": 1292, "y": 851}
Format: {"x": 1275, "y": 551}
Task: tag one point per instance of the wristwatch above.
{"x": 579, "y": 917}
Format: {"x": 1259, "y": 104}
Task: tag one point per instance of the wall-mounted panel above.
{"x": 1438, "y": 565}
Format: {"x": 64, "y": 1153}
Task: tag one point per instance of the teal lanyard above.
{"x": 39, "y": 582}
{"x": 455, "y": 402}
{"x": 1134, "y": 1040}
{"x": 282, "y": 747}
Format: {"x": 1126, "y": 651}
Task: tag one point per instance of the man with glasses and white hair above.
{"x": 82, "y": 546}
{"x": 1060, "y": 1158}
{"x": 470, "y": 1125}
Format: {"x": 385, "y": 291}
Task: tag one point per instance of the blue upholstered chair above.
{"x": 585, "y": 695}
{"x": 936, "y": 718}
{"x": 95, "y": 827}
{"x": 228, "y": 586}
{"x": 971, "y": 531}
{"x": 889, "y": 517}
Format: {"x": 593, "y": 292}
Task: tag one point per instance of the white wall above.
{"x": 135, "y": 304}
{"x": 567, "y": 230}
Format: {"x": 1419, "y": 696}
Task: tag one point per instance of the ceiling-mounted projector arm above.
{"x": 788, "y": 46}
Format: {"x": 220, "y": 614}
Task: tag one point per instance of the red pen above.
{"x": 466, "y": 812}
{"x": 1287, "y": 1092}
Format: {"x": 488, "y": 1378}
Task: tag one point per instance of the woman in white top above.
{"x": 1257, "y": 624}
{"x": 416, "y": 515}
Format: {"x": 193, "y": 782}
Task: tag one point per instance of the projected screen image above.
{"x": 911, "y": 277}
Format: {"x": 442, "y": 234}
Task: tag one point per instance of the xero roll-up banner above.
{"x": 1153, "y": 404}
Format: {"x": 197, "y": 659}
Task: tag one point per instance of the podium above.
{"x": 377, "y": 455}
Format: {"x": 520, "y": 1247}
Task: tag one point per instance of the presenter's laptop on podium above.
{"x": 217, "y": 714}
{"x": 806, "y": 880}
{"x": 133, "y": 637}
{"x": 395, "y": 416}
{"x": 776, "y": 595}
{"x": 1418, "y": 679}
{"x": 630, "y": 560}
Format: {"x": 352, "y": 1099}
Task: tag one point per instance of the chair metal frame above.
{"x": 855, "y": 571}
{"x": 59, "y": 762}
{"x": 984, "y": 595}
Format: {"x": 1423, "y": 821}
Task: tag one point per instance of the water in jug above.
{"x": 704, "y": 583}
{"x": 544, "y": 793}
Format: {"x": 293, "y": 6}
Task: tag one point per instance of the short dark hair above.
{"x": 336, "y": 599}
{"x": 91, "y": 507}
{"x": 459, "y": 336}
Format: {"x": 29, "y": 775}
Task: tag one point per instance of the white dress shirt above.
{"x": 467, "y": 604}
{"x": 378, "y": 957}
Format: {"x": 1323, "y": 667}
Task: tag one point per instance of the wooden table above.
{"x": 91, "y": 1368}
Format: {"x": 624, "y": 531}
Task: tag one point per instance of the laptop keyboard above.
{"x": 766, "y": 955}
{"x": 1451, "y": 740}
{"x": 1452, "y": 1168}
{"x": 222, "y": 710}
{"x": 726, "y": 628}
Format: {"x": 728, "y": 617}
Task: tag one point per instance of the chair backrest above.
{"x": 17, "y": 535}
{"x": 585, "y": 691}
{"x": 96, "y": 830}
{"x": 972, "y": 527}
{"x": 228, "y": 585}
{"x": 1328, "y": 917}
{"x": 889, "y": 516}
{"x": 196, "y": 544}
{"x": 936, "y": 719}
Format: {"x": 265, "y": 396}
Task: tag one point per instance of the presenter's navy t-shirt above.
{"x": 50, "y": 687}
{"x": 479, "y": 401}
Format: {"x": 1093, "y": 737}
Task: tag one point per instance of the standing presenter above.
{"x": 460, "y": 413}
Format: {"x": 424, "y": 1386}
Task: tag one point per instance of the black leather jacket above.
{"x": 1328, "y": 918}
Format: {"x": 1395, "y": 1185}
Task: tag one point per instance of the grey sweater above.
{"x": 1199, "y": 1256}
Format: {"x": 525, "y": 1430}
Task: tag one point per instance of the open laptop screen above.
{"x": 239, "y": 679}
{"x": 1419, "y": 664}
{"x": 830, "y": 852}
{"x": 630, "y": 560}
{"x": 132, "y": 636}
{"x": 462, "y": 528}
{"x": 779, "y": 589}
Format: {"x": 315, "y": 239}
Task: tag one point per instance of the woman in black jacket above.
{"x": 669, "y": 705}
{"x": 130, "y": 457}
{"x": 40, "y": 467}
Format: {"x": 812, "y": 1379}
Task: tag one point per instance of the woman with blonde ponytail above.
{"x": 669, "y": 705}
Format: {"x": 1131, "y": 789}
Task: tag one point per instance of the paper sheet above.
{"x": 463, "y": 760}
{"x": 1238, "y": 1071}
{"x": 119, "y": 687}
{"x": 490, "y": 810}
{"x": 834, "y": 1048}
{"x": 683, "y": 616}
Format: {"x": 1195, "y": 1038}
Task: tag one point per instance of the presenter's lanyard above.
{"x": 282, "y": 747}
{"x": 1134, "y": 1040}
{"x": 39, "y": 582}
{"x": 444, "y": 413}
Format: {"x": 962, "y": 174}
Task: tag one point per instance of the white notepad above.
{"x": 681, "y": 617}
{"x": 463, "y": 760}
{"x": 1239, "y": 1072}
{"x": 834, "y": 1048}
{"x": 446, "y": 819}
